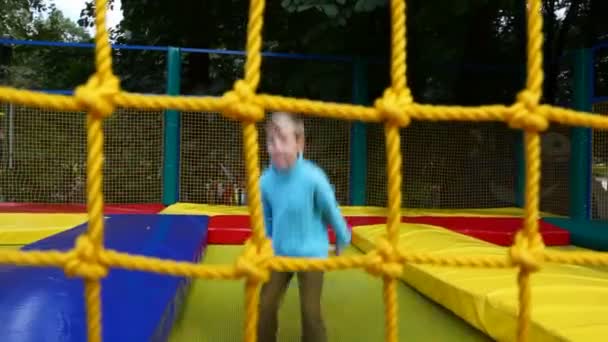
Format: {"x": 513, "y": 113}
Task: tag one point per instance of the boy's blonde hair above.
{"x": 295, "y": 121}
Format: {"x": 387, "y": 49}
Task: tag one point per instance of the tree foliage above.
{"x": 42, "y": 67}
{"x": 473, "y": 45}
{"x": 16, "y": 17}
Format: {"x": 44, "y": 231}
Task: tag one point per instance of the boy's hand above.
{"x": 339, "y": 248}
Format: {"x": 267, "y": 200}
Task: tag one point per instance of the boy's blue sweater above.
{"x": 298, "y": 205}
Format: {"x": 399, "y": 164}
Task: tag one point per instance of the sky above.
{"x": 72, "y": 8}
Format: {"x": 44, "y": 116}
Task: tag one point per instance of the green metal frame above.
{"x": 581, "y": 137}
{"x": 358, "y": 137}
{"x": 171, "y": 131}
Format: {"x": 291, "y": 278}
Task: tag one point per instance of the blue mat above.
{"x": 42, "y": 304}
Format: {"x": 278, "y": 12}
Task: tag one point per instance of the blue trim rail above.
{"x": 324, "y": 58}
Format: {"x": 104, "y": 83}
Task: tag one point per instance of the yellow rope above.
{"x": 101, "y": 94}
{"x": 259, "y": 247}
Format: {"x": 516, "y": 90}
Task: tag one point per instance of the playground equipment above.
{"x": 386, "y": 255}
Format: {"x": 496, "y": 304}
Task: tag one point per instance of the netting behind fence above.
{"x": 464, "y": 165}
{"x": 555, "y": 167}
{"x": 599, "y": 178}
{"x": 47, "y": 152}
{"x": 212, "y": 169}
{"x": 44, "y": 156}
{"x": 134, "y": 156}
{"x": 447, "y": 165}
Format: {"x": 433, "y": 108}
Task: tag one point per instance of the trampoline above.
{"x": 39, "y": 302}
{"x": 158, "y": 307}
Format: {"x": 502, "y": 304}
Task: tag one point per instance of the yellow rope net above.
{"x": 101, "y": 94}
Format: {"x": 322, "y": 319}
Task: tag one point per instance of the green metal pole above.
{"x": 171, "y": 133}
{"x": 520, "y": 160}
{"x": 358, "y": 137}
{"x": 520, "y": 155}
{"x": 581, "y": 149}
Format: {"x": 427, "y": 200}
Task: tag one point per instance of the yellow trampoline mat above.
{"x": 568, "y": 302}
{"x": 22, "y": 229}
{"x": 205, "y": 209}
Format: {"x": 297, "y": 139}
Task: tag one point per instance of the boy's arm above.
{"x": 267, "y": 215}
{"x": 328, "y": 205}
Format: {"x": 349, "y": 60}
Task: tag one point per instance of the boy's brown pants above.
{"x": 271, "y": 296}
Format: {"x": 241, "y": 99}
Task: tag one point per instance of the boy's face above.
{"x": 282, "y": 143}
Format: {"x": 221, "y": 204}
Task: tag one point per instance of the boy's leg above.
{"x": 271, "y": 295}
{"x": 313, "y": 327}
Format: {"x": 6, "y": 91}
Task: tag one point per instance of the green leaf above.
{"x": 302, "y": 8}
{"x": 330, "y": 10}
{"x": 369, "y": 5}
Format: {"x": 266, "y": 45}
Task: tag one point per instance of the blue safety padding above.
{"x": 42, "y": 304}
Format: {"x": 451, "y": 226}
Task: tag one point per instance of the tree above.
{"x": 45, "y": 67}
{"x": 16, "y": 15}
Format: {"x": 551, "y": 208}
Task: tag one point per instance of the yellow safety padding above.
{"x": 568, "y": 302}
{"x": 25, "y": 228}
{"x": 205, "y": 209}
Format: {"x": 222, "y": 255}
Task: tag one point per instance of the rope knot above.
{"x": 85, "y": 262}
{"x": 385, "y": 260}
{"x": 528, "y": 254}
{"x": 98, "y": 95}
{"x": 526, "y": 114}
{"x": 241, "y": 105}
{"x": 394, "y": 107}
{"x": 253, "y": 264}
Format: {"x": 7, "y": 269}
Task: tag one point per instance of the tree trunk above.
{"x": 597, "y": 26}
{"x": 554, "y": 47}
{"x": 471, "y": 88}
{"x": 549, "y": 62}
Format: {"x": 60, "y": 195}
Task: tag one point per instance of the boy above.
{"x": 298, "y": 203}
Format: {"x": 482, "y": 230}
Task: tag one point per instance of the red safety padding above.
{"x": 235, "y": 229}
{"x": 227, "y": 236}
{"x": 146, "y": 208}
{"x": 229, "y": 222}
{"x": 497, "y": 230}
